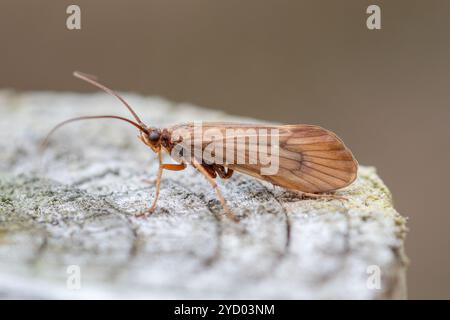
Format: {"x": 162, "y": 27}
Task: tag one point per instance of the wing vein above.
{"x": 345, "y": 181}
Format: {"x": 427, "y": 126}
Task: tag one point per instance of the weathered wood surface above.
{"x": 76, "y": 204}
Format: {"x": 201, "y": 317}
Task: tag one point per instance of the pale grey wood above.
{"x": 75, "y": 205}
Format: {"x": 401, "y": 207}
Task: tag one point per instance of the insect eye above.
{"x": 154, "y": 136}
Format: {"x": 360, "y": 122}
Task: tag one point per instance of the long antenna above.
{"x": 59, "y": 125}
{"x": 92, "y": 80}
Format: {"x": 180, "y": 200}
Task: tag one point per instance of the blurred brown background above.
{"x": 385, "y": 92}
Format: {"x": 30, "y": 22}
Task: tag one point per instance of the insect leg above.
{"x": 174, "y": 166}
{"x": 158, "y": 185}
{"x": 213, "y": 183}
{"x": 168, "y": 166}
{"x": 162, "y": 166}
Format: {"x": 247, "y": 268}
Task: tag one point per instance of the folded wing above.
{"x": 310, "y": 158}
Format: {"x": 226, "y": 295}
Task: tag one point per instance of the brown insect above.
{"x": 312, "y": 161}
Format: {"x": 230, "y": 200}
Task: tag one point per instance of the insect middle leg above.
{"x": 162, "y": 166}
{"x": 213, "y": 183}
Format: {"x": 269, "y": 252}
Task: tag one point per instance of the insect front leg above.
{"x": 167, "y": 166}
{"x": 162, "y": 166}
{"x": 213, "y": 183}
